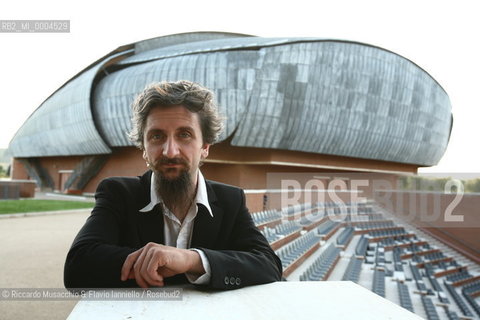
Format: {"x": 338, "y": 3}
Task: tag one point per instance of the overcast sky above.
{"x": 440, "y": 36}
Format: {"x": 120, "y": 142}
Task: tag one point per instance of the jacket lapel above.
{"x": 150, "y": 226}
{"x": 150, "y": 223}
{"x": 206, "y": 228}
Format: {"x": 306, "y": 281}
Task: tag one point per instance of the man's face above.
{"x": 173, "y": 142}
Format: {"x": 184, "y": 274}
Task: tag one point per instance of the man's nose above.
{"x": 171, "y": 148}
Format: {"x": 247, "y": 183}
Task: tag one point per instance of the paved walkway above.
{"x": 32, "y": 255}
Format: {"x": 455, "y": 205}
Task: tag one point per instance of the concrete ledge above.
{"x": 304, "y": 300}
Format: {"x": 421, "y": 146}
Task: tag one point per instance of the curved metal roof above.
{"x": 305, "y": 94}
{"x": 63, "y": 124}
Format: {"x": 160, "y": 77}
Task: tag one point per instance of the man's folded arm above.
{"x": 96, "y": 257}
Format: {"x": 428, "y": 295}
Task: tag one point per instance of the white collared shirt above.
{"x": 178, "y": 234}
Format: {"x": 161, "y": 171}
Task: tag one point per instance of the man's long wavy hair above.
{"x": 192, "y": 96}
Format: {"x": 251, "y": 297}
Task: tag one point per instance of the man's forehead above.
{"x": 171, "y": 115}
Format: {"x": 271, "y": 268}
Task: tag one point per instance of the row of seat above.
{"x": 380, "y": 256}
{"x": 405, "y": 299}
{"x": 435, "y": 285}
{"x": 322, "y": 265}
{"x": 362, "y": 246}
{"x": 295, "y": 249}
{"x": 352, "y": 273}
{"x": 387, "y": 233}
{"x": 462, "y": 305}
{"x": 458, "y": 276}
{"x": 280, "y": 231}
{"x": 444, "y": 265}
{"x": 333, "y": 204}
{"x": 397, "y": 259}
{"x": 387, "y": 242}
{"x": 376, "y": 225}
{"x": 417, "y": 259}
{"x": 269, "y": 234}
{"x": 266, "y": 216}
{"x": 291, "y": 210}
{"x": 344, "y": 237}
{"x": 469, "y": 291}
{"x": 378, "y": 284}
{"x": 287, "y": 228}
{"x": 430, "y": 274}
{"x": 326, "y": 227}
{"x": 415, "y": 272}
{"x": 430, "y": 308}
{"x": 418, "y": 278}
{"x": 433, "y": 256}
{"x": 364, "y": 214}
{"x": 311, "y": 218}
{"x": 452, "y": 315}
{"x": 415, "y": 248}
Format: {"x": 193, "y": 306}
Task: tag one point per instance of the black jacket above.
{"x": 238, "y": 253}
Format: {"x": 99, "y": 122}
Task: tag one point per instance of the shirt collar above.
{"x": 200, "y": 198}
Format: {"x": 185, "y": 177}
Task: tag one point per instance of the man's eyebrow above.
{"x": 154, "y": 130}
{"x": 186, "y": 128}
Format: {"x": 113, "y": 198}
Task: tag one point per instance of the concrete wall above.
{"x": 248, "y": 168}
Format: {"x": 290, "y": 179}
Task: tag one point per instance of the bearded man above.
{"x": 170, "y": 225}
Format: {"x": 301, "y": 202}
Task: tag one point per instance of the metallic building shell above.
{"x": 304, "y": 94}
{"x": 63, "y": 125}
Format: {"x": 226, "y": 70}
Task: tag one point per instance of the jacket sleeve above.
{"x": 96, "y": 258}
{"x": 249, "y": 259}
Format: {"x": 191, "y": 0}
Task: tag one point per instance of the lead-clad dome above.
{"x": 305, "y": 94}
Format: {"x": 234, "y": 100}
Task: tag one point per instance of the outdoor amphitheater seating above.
{"x": 295, "y": 249}
{"x": 352, "y": 273}
{"x": 326, "y": 227}
{"x": 265, "y": 216}
{"x": 430, "y": 308}
{"x": 458, "y": 300}
{"x": 362, "y": 246}
{"x": 405, "y": 299}
{"x": 452, "y": 315}
{"x": 468, "y": 292}
{"x": 459, "y": 276}
{"x": 378, "y": 284}
{"x": 344, "y": 237}
{"x": 322, "y": 265}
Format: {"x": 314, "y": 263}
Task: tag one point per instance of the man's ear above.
{"x": 205, "y": 149}
{"x": 144, "y": 154}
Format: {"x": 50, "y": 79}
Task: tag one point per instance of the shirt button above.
{"x": 238, "y": 281}
{"x": 232, "y": 280}
{"x": 226, "y": 280}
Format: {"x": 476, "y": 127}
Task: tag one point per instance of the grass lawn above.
{"x": 31, "y": 205}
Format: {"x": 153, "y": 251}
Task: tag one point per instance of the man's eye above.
{"x": 156, "y": 136}
{"x": 185, "y": 135}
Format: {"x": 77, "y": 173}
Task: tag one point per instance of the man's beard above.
{"x": 175, "y": 192}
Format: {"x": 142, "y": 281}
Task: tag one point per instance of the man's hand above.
{"x": 150, "y": 265}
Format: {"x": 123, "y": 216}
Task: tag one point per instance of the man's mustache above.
{"x": 166, "y": 160}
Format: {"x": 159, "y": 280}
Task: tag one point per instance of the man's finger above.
{"x": 137, "y": 268}
{"x": 151, "y": 258}
{"x": 151, "y": 264}
{"x": 127, "y": 265}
